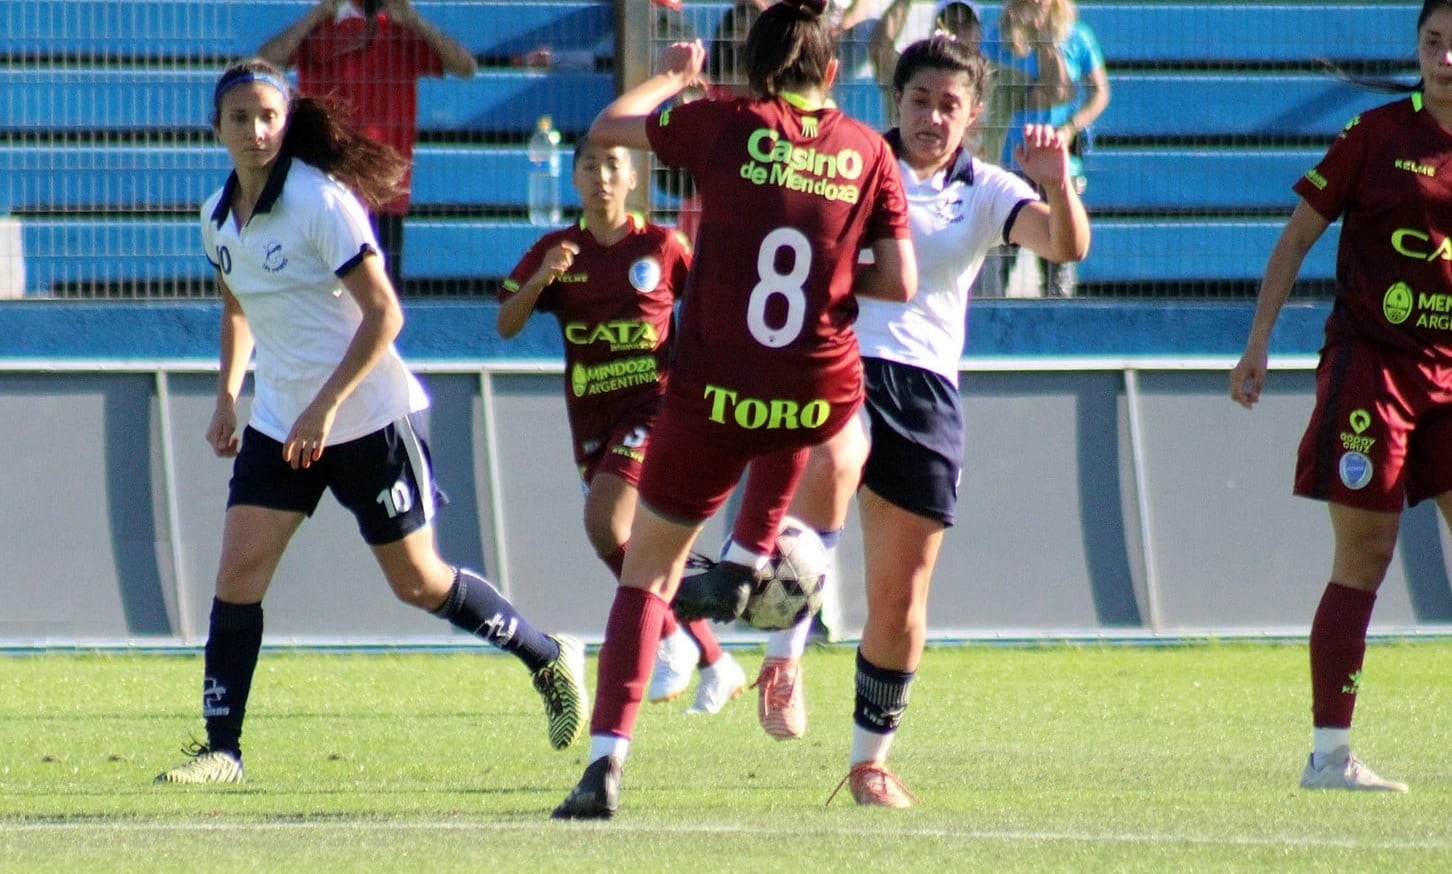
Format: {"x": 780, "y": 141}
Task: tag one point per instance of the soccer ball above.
{"x": 797, "y": 575}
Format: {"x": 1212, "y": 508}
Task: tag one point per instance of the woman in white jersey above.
{"x": 959, "y": 209}
{"x": 303, "y": 286}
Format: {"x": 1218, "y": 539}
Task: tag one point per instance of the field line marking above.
{"x": 1011, "y": 836}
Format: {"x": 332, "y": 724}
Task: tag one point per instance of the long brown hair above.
{"x": 320, "y": 133}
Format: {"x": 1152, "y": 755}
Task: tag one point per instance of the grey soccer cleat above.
{"x": 1342, "y": 770}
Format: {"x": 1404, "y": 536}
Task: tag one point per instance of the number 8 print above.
{"x": 788, "y": 285}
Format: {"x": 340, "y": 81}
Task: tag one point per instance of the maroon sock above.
{"x": 668, "y": 624}
{"x": 1338, "y": 645}
{"x": 632, "y": 633}
{"x": 700, "y": 632}
{"x": 770, "y": 483}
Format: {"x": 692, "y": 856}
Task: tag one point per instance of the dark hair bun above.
{"x": 808, "y": 8}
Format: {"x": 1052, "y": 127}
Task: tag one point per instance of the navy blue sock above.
{"x": 477, "y": 607}
{"x": 882, "y": 696}
{"x": 830, "y": 538}
{"x": 234, "y": 639}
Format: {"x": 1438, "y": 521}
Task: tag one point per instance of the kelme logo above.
{"x": 1396, "y": 304}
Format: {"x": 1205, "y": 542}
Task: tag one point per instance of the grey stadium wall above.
{"x": 1111, "y": 489}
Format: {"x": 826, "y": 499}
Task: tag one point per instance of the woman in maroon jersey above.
{"x": 766, "y": 364}
{"x": 611, "y": 280}
{"x": 1380, "y": 436}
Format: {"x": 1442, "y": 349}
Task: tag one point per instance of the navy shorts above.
{"x": 385, "y": 479}
{"x": 917, "y": 439}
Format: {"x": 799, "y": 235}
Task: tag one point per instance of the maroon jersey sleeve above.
{"x": 1329, "y": 185}
{"x": 889, "y": 218}
{"x": 1383, "y": 178}
{"x": 526, "y": 267}
{"x": 682, "y": 134}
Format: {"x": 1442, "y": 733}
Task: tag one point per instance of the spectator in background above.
{"x": 856, "y": 20}
{"x": 369, "y": 55}
{"x": 1050, "y": 46}
{"x": 611, "y": 280}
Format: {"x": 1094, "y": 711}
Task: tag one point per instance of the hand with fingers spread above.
{"x": 1043, "y": 155}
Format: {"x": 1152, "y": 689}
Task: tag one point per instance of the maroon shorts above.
{"x": 694, "y": 463}
{"x": 620, "y": 452}
{"x": 1380, "y": 437}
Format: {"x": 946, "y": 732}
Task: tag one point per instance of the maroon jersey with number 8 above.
{"x": 790, "y": 196}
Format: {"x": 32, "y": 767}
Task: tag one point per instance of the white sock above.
{"x": 869, "y": 746}
{"x": 833, "y": 618}
{"x": 741, "y": 555}
{"x": 789, "y": 643}
{"x": 602, "y": 745}
{"x": 1324, "y": 742}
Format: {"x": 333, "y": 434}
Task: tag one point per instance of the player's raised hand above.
{"x": 1043, "y": 155}
{"x": 684, "y": 59}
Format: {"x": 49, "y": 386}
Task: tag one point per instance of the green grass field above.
{"x": 1052, "y": 758}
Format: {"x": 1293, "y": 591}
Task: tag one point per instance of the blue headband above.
{"x": 249, "y": 76}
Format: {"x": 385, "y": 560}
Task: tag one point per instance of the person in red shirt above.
{"x": 1380, "y": 435}
{"x": 369, "y": 55}
{"x": 611, "y": 280}
{"x": 766, "y": 364}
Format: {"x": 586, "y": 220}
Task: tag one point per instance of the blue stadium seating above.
{"x": 147, "y": 100}
{"x": 1217, "y": 108}
{"x": 153, "y": 250}
{"x": 74, "y": 178}
{"x": 1195, "y": 179}
{"x": 213, "y": 31}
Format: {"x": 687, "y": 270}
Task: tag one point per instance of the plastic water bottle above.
{"x": 544, "y": 174}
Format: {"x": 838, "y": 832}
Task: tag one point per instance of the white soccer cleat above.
{"x": 205, "y": 765}
{"x": 675, "y": 660}
{"x": 1342, "y": 770}
{"x": 720, "y": 682}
